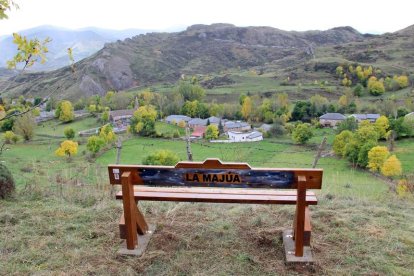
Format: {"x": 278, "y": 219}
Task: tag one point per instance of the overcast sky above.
{"x": 366, "y": 16}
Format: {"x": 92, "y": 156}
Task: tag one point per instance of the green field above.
{"x": 64, "y": 218}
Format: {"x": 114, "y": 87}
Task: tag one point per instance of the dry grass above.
{"x": 73, "y": 235}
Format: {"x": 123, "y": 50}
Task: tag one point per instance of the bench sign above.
{"x": 216, "y": 178}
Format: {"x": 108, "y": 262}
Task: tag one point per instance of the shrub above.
{"x": 161, "y": 157}
{"x": 69, "y": 133}
{"x": 7, "y": 186}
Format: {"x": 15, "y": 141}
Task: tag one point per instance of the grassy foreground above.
{"x": 63, "y": 221}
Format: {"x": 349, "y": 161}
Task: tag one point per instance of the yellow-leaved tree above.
{"x": 246, "y": 109}
{"x": 64, "y": 111}
{"x": 107, "y": 134}
{"x": 391, "y": 167}
{"x": 382, "y": 125}
{"x": 377, "y": 157}
{"x": 67, "y": 148}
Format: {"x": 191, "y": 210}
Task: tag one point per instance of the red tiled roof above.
{"x": 199, "y": 131}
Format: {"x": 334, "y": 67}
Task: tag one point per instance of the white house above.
{"x": 251, "y": 136}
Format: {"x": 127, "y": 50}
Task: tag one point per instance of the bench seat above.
{"x": 219, "y": 195}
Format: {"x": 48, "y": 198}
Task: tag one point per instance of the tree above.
{"x": 190, "y": 91}
{"x": 69, "y": 133}
{"x": 349, "y": 123}
{"x": 105, "y": 117}
{"x": 375, "y": 87}
{"x": 94, "y": 144}
{"x": 161, "y": 157}
{"x": 143, "y": 120}
{"x": 377, "y": 157}
{"x": 382, "y": 125}
{"x": 107, "y": 134}
{"x": 212, "y": 132}
{"x": 64, "y": 112}
{"x": 24, "y": 126}
{"x": 67, "y": 148}
{"x": 246, "y": 109}
{"x": 391, "y": 167}
{"x": 340, "y": 142}
{"x": 302, "y": 133}
{"x": 10, "y": 137}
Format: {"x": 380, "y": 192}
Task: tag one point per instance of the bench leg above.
{"x": 308, "y": 227}
{"x": 299, "y": 227}
{"x": 130, "y": 209}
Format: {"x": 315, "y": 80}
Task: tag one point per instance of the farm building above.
{"x": 193, "y": 123}
{"x": 198, "y": 132}
{"x": 214, "y": 120}
{"x": 176, "y": 119}
{"x": 362, "y": 117}
{"x": 331, "y": 119}
{"x": 236, "y": 136}
{"x": 236, "y": 126}
{"x": 120, "y": 118}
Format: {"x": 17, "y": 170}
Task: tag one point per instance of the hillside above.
{"x": 84, "y": 43}
{"x": 164, "y": 57}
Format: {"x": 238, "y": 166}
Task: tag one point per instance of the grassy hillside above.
{"x": 64, "y": 217}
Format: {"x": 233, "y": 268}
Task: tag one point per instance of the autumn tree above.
{"x": 24, "y": 126}
{"x": 67, "y": 148}
{"x": 382, "y": 125}
{"x": 391, "y": 166}
{"x": 190, "y": 90}
{"x": 340, "y": 142}
{"x": 107, "y": 134}
{"x": 94, "y": 144}
{"x": 9, "y": 137}
{"x": 64, "y": 111}
{"x": 161, "y": 157}
{"x": 212, "y": 132}
{"x": 143, "y": 120}
{"x": 377, "y": 157}
{"x": 302, "y": 133}
{"x": 375, "y": 87}
{"x": 246, "y": 109}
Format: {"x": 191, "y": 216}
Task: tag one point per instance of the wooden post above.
{"x": 319, "y": 152}
{"x": 299, "y": 230}
{"x": 130, "y": 208}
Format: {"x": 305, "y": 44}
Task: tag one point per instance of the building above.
{"x": 251, "y": 136}
{"x": 121, "y": 118}
{"x": 264, "y": 128}
{"x": 237, "y": 126}
{"x": 193, "y": 123}
{"x": 176, "y": 119}
{"x": 331, "y": 119}
{"x": 365, "y": 117}
{"x": 198, "y": 132}
{"x": 214, "y": 120}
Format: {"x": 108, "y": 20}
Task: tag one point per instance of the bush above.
{"x": 161, "y": 157}
{"x": 7, "y": 186}
{"x": 69, "y": 133}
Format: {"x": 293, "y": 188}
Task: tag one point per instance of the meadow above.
{"x": 64, "y": 217}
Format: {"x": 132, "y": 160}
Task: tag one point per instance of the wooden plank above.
{"x": 129, "y": 211}
{"x": 142, "y": 226}
{"x": 219, "y": 191}
{"x": 122, "y": 228}
{"x": 300, "y": 216}
{"x": 221, "y": 198}
{"x": 313, "y": 176}
{"x": 308, "y": 227}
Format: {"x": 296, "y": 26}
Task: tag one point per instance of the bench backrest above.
{"x": 214, "y": 173}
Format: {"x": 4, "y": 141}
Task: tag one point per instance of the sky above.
{"x": 299, "y": 15}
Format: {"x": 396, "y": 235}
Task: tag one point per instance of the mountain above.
{"x": 200, "y": 49}
{"x": 84, "y": 42}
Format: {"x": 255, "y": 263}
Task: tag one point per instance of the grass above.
{"x": 64, "y": 217}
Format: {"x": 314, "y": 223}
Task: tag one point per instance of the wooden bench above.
{"x": 209, "y": 181}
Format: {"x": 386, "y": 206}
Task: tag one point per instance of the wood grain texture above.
{"x": 300, "y": 216}
{"x": 129, "y": 210}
